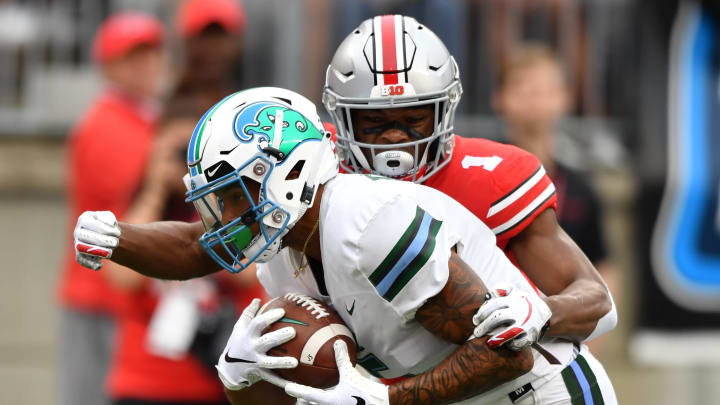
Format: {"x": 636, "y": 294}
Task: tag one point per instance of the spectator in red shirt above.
{"x": 107, "y": 155}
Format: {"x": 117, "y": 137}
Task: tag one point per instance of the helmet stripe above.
{"x": 196, "y": 168}
{"x": 389, "y": 49}
{"x": 193, "y": 138}
{"x": 378, "y": 51}
{"x": 194, "y": 150}
{"x": 401, "y": 49}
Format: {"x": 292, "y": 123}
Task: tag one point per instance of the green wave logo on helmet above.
{"x": 258, "y": 121}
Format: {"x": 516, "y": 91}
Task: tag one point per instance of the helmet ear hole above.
{"x": 296, "y": 170}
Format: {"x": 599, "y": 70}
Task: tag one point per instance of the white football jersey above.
{"x": 385, "y": 248}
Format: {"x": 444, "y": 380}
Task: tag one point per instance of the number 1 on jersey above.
{"x": 487, "y": 163}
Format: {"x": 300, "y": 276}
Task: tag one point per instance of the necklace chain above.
{"x": 304, "y": 259}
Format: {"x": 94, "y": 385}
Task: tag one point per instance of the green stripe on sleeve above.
{"x": 573, "y": 386}
{"x": 592, "y": 380}
{"x": 418, "y": 262}
{"x": 397, "y": 251}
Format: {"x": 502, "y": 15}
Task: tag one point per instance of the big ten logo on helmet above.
{"x": 392, "y": 90}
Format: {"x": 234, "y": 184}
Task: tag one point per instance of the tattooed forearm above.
{"x": 449, "y": 313}
{"x": 472, "y": 369}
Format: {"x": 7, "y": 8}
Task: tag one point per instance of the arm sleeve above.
{"x": 404, "y": 253}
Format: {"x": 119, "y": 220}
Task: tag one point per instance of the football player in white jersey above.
{"x": 389, "y": 256}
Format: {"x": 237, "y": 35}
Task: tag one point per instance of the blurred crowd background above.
{"x": 624, "y": 94}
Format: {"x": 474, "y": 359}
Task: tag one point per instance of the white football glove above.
{"x": 515, "y": 318}
{"x": 244, "y": 360}
{"x": 96, "y": 234}
{"x": 353, "y": 388}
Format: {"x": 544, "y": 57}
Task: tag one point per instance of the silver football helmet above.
{"x": 392, "y": 61}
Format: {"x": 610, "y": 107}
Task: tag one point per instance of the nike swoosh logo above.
{"x": 227, "y": 152}
{"x": 235, "y": 360}
{"x": 529, "y": 311}
{"x": 359, "y": 401}
{"x": 352, "y": 309}
{"x": 211, "y": 172}
{"x": 295, "y": 321}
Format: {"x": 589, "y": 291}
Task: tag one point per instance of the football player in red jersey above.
{"x": 392, "y": 89}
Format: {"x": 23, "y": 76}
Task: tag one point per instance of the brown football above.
{"x": 317, "y": 327}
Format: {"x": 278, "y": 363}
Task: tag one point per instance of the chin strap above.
{"x": 313, "y": 180}
{"x": 271, "y": 250}
{"x": 259, "y": 241}
{"x": 257, "y": 244}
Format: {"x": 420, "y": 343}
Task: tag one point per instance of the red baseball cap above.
{"x": 195, "y": 15}
{"x": 122, "y": 32}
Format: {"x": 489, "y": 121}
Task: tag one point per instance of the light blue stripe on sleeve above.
{"x": 412, "y": 251}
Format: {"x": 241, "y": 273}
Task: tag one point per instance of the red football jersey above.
{"x": 503, "y": 185}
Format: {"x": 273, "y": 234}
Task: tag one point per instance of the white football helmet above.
{"x": 393, "y": 61}
{"x": 238, "y": 140}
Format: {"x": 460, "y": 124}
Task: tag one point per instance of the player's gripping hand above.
{"x": 352, "y": 389}
{"x": 514, "y": 318}
{"x": 244, "y": 360}
{"x": 96, "y": 234}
